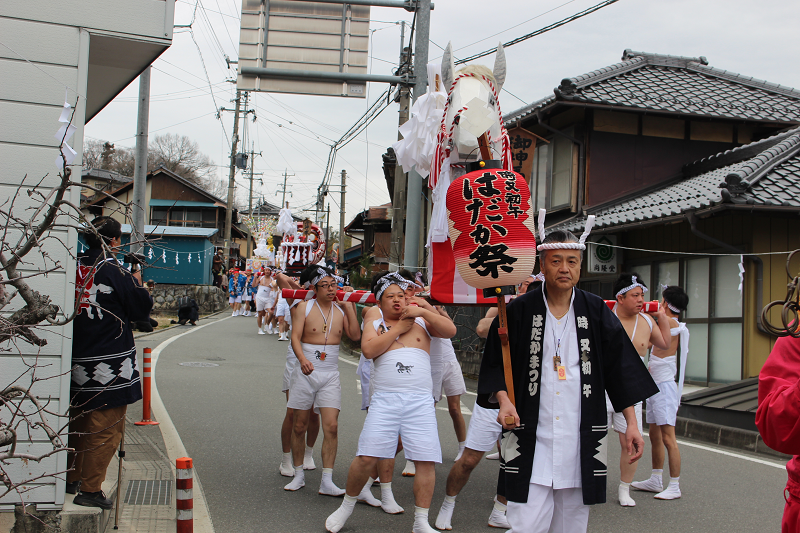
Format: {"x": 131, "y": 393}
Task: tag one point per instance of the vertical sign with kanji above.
{"x": 492, "y": 228}
{"x": 523, "y": 145}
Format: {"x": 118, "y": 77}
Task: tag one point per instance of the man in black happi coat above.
{"x": 567, "y": 349}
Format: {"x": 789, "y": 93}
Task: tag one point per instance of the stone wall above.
{"x": 210, "y": 299}
{"x": 470, "y": 362}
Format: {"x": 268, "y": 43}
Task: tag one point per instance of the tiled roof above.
{"x": 674, "y": 84}
{"x": 771, "y": 177}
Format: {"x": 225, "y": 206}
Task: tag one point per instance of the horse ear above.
{"x": 448, "y": 68}
{"x": 500, "y": 67}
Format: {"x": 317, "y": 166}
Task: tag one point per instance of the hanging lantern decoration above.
{"x": 492, "y": 228}
{"x": 190, "y": 258}
{"x": 164, "y": 256}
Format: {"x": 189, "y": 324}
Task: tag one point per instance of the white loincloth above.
{"x": 364, "y": 373}
{"x": 549, "y": 510}
{"x": 318, "y": 389}
{"x": 662, "y": 408}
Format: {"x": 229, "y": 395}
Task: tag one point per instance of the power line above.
{"x": 540, "y": 31}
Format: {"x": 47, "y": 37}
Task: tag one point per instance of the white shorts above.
{"x": 616, "y": 421}
{"x": 283, "y": 309}
{"x": 662, "y": 408}
{"x": 397, "y": 414}
{"x": 263, "y": 304}
{"x": 483, "y": 431}
{"x": 452, "y": 379}
{"x": 318, "y": 389}
{"x": 247, "y": 298}
{"x": 288, "y": 370}
{"x": 548, "y": 509}
{"x": 237, "y": 299}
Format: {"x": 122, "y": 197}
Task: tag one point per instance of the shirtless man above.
{"x": 264, "y": 301}
{"x": 483, "y": 433}
{"x": 662, "y": 408}
{"x": 287, "y": 463}
{"x": 629, "y": 291}
{"x": 401, "y": 406}
{"x": 317, "y": 331}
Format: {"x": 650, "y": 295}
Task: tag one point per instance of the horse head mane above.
{"x": 478, "y": 70}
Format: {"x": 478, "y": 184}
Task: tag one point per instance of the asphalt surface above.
{"x": 229, "y": 418}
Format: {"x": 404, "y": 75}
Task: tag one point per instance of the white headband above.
{"x": 537, "y": 277}
{"x": 674, "y": 309}
{"x": 632, "y": 286}
{"x": 319, "y": 275}
{"x": 564, "y": 245}
{"x": 393, "y": 278}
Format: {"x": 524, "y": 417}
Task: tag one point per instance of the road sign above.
{"x": 303, "y": 36}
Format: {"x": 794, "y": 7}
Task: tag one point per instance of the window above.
{"x": 551, "y": 177}
{"x": 158, "y": 215}
{"x": 714, "y": 315}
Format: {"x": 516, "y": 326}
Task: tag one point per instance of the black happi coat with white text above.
{"x": 608, "y": 362}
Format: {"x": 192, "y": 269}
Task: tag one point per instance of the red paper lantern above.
{"x": 492, "y": 228}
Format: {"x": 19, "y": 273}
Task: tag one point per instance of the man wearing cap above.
{"x": 629, "y": 291}
{"x": 318, "y": 326}
{"x": 567, "y": 348}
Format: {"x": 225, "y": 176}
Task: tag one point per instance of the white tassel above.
{"x": 542, "y": 214}
{"x": 589, "y": 226}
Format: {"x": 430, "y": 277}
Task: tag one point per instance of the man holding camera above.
{"x": 105, "y": 377}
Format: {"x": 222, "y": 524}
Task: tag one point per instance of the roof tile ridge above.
{"x": 735, "y": 155}
{"x": 770, "y": 158}
{"x": 744, "y": 80}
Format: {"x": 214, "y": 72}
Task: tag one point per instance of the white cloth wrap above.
{"x": 331, "y": 362}
{"x": 364, "y": 373}
{"x": 403, "y": 370}
{"x": 484, "y": 431}
{"x": 288, "y": 371}
{"x": 683, "y": 332}
{"x": 286, "y": 223}
{"x": 663, "y": 368}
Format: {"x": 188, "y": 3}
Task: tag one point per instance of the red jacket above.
{"x": 778, "y": 415}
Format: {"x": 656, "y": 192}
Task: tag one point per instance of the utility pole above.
{"x": 284, "y": 190}
{"x": 140, "y": 172}
{"x": 229, "y": 210}
{"x": 414, "y": 199}
{"x": 399, "y": 191}
{"x": 327, "y": 229}
{"x": 341, "y": 214}
{"x": 250, "y": 201}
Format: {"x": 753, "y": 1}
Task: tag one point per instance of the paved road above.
{"x": 229, "y": 417}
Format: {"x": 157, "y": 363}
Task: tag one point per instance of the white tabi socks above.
{"x": 673, "y": 491}
{"x": 624, "y": 492}
{"x": 287, "y": 469}
{"x": 446, "y": 513}
{"x": 498, "y": 516}
{"x": 299, "y": 480}
{"x": 410, "y": 470}
{"x": 461, "y": 446}
{"x": 327, "y": 487}
{"x": 366, "y": 495}
{"x": 308, "y": 459}
{"x": 387, "y": 500}
{"x": 421, "y": 524}
{"x": 336, "y": 521}
{"x": 654, "y": 484}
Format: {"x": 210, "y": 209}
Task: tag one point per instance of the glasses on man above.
{"x": 326, "y": 286}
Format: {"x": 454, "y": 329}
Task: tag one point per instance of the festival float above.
{"x": 303, "y": 243}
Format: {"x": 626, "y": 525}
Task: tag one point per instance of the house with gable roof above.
{"x": 685, "y": 167}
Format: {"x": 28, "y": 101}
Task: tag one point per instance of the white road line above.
{"x": 172, "y": 440}
{"x": 782, "y": 466}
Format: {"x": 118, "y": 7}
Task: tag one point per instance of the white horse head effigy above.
{"x": 472, "y": 110}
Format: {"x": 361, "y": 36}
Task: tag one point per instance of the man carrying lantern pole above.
{"x": 567, "y": 349}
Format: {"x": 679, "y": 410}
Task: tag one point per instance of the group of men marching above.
{"x": 578, "y": 370}
{"x": 259, "y": 289}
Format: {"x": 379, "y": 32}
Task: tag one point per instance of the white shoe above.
{"x": 388, "y": 504}
{"x": 410, "y": 470}
{"x": 421, "y": 525}
{"x": 365, "y": 496}
{"x": 649, "y": 485}
{"x": 269, "y": 329}
{"x": 308, "y": 462}
{"x": 329, "y": 488}
{"x": 624, "y": 496}
{"x": 286, "y": 469}
{"x": 233, "y": 313}
{"x": 261, "y": 331}
{"x": 498, "y": 519}
{"x": 673, "y": 492}
{"x": 298, "y": 482}
{"x": 335, "y": 522}
{"x": 445, "y": 516}
{"x": 493, "y": 456}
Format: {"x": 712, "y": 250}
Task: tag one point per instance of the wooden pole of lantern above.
{"x": 502, "y": 331}
{"x": 483, "y": 143}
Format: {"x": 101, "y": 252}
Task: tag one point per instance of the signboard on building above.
{"x": 523, "y": 146}
{"x": 303, "y": 36}
{"x": 603, "y": 258}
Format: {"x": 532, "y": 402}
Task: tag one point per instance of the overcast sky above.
{"x": 755, "y": 38}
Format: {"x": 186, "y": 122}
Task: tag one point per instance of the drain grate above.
{"x": 149, "y": 492}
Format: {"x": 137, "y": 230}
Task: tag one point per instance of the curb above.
{"x": 739, "y": 439}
